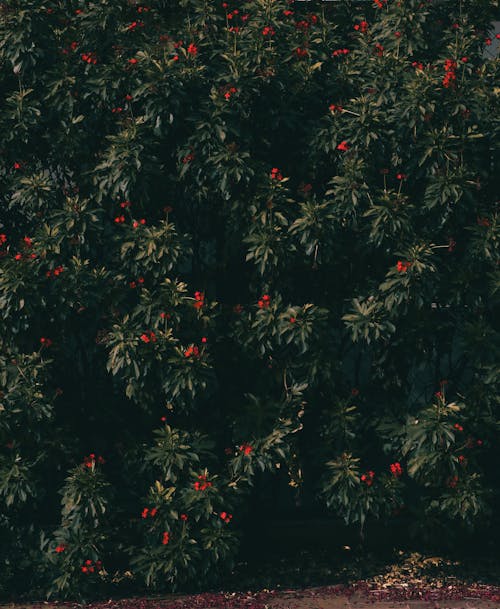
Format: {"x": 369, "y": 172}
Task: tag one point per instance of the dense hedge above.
{"x": 238, "y": 238}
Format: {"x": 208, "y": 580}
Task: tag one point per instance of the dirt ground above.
{"x": 399, "y": 597}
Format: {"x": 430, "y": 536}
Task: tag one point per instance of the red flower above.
{"x": 46, "y": 342}
{"x": 152, "y": 513}
{"x": 204, "y": 339}
{"x": 132, "y": 61}
{"x": 148, "y": 337}
{"x": 368, "y": 478}
{"x": 3, "y": 239}
{"x": 339, "y": 52}
{"x": 18, "y": 257}
{"x": 268, "y": 31}
{"x": 125, "y": 204}
{"x": 397, "y": 34}
{"x": 246, "y": 449}
{"x": 380, "y": 3}
{"x": 487, "y": 41}
{"x": 452, "y": 482}
{"x": 354, "y": 392}
{"x": 462, "y": 460}
{"x": 301, "y": 52}
{"x": 276, "y": 174}
{"x": 183, "y": 517}
{"x": 335, "y": 108}
{"x": 17, "y": 165}
{"x": 165, "y": 538}
{"x": 401, "y": 176}
{"x": 343, "y": 146}
{"x": 60, "y": 548}
{"x": 264, "y": 301}
{"x": 192, "y": 351}
{"x": 458, "y": 427}
{"x": 192, "y": 49}
{"x": 396, "y": 469}
{"x": 379, "y": 49}
{"x": 144, "y": 513}
{"x": 362, "y": 26}
{"x": 119, "y": 219}
{"x": 292, "y": 320}
{"x": 137, "y": 223}
{"x": 287, "y": 13}
{"x": 202, "y": 483}
{"x": 226, "y": 517}
{"x": 89, "y": 58}
{"x": 200, "y": 300}
{"x": 402, "y": 267}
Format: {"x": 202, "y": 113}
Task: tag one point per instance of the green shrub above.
{"x": 236, "y": 239}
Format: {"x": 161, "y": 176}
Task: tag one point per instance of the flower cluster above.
{"x": 133, "y": 284}
{"x": 229, "y": 91}
{"x": 149, "y": 512}
{"x": 450, "y": 76}
{"x": 90, "y": 566}
{"x": 368, "y": 478}
{"x": 192, "y": 351}
{"x": 134, "y": 25}
{"x": 138, "y": 223}
{"x": 301, "y": 52}
{"x": 45, "y": 342}
{"x": 264, "y": 301}
{"x": 246, "y": 449}
{"x": 60, "y": 548}
{"x": 402, "y": 266}
{"x": 148, "y": 337}
{"x": 268, "y": 31}
{"x": 275, "y": 174}
{"x": 361, "y": 27}
{"x": 226, "y": 517}
{"x": 91, "y": 460}
{"x": 202, "y": 483}
{"x": 396, "y": 469}
{"x": 89, "y": 58}
{"x": 340, "y": 52}
{"x": 55, "y": 272}
{"x": 165, "y": 538}
{"x": 343, "y": 146}
{"x": 199, "y": 298}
